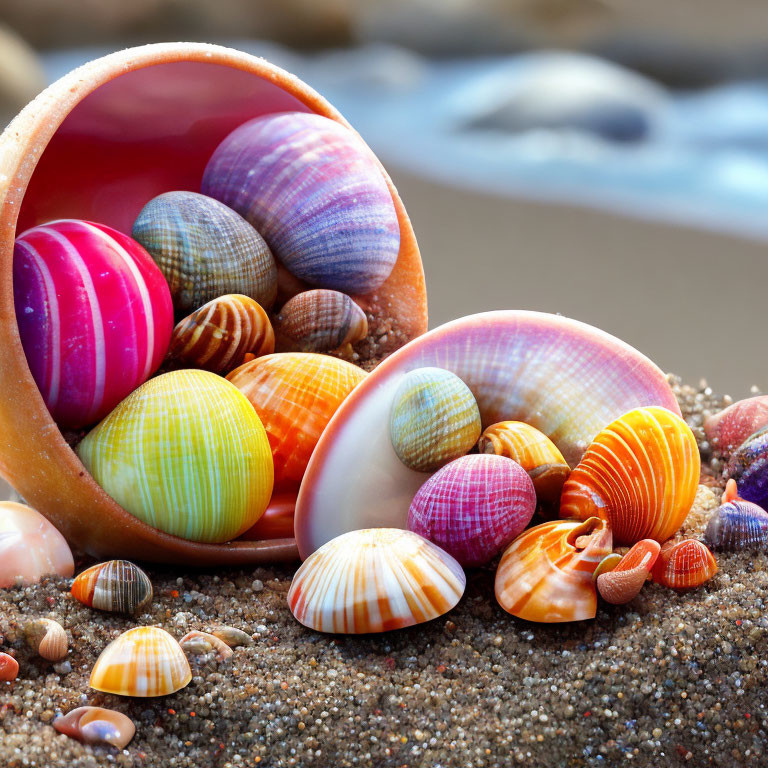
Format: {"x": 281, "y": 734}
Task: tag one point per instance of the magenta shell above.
{"x": 473, "y": 507}
{"x": 94, "y": 314}
{"x": 732, "y": 426}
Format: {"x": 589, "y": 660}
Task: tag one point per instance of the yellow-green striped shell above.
{"x": 185, "y": 453}
{"x": 434, "y": 419}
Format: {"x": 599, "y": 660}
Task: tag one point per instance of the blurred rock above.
{"x": 21, "y": 76}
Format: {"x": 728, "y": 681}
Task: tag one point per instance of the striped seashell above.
{"x": 316, "y": 194}
{"x": 544, "y": 576}
{"x": 640, "y": 473}
{"x": 142, "y": 662}
{"x": 624, "y": 582}
{"x": 186, "y": 454}
{"x": 608, "y": 563}
{"x": 94, "y": 316}
{"x": 97, "y": 726}
{"x": 47, "y": 639}
{"x": 9, "y": 668}
{"x": 732, "y": 426}
{"x": 748, "y": 466}
{"x": 434, "y": 419}
{"x": 205, "y": 250}
{"x": 535, "y": 453}
{"x": 320, "y": 320}
{"x": 217, "y": 336}
{"x": 295, "y": 394}
{"x": 473, "y": 507}
{"x": 198, "y": 643}
{"x": 277, "y": 520}
{"x": 736, "y": 526}
{"x": 30, "y": 547}
{"x": 375, "y": 580}
{"x": 232, "y": 636}
{"x": 117, "y": 586}
{"x": 684, "y": 564}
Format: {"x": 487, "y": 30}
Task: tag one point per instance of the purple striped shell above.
{"x": 748, "y": 466}
{"x": 316, "y": 194}
{"x": 473, "y": 507}
{"x": 736, "y": 526}
{"x": 94, "y": 315}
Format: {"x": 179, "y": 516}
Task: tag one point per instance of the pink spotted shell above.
{"x": 732, "y": 426}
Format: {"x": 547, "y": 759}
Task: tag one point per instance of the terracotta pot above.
{"x": 97, "y": 145}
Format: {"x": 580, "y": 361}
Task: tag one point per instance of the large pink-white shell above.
{"x": 732, "y": 426}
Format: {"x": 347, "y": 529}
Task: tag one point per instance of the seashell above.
{"x": 748, "y": 466}
{"x": 205, "y": 250}
{"x": 565, "y": 378}
{"x": 473, "y": 507}
{"x": 640, "y": 473}
{"x": 731, "y": 492}
{"x": 217, "y": 336}
{"x": 608, "y": 563}
{"x": 733, "y": 425}
{"x": 232, "y": 636}
{"x": 543, "y": 576}
{"x": 186, "y": 454}
{"x": 9, "y": 668}
{"x": 316, "y": 194}
{"x": 684, "y": 564}
{"x": 96, "y": 725}
{"x": 142, "y": 662}
{"x": 277, "y": 520}
{"x": 373, "y": 581}
{"x": 295, "y": 394}
{"x": 117, "y": 586}
{"x": 47, "y": 639}
{"x": 198, "y": 643}
{"x": 94, "y": 316}
{"x": 320, "y": 321}
{"x": 30, "y": 547}
{"x": 624, "y": 582}
{"x": 736, "y": 526}
{"x": 434, "y": 419}
{"x": 534, "y": 452}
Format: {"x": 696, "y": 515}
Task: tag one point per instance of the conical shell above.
{"x": 142, "y": 662}
{"x": 47, "y": 638}
{"x": 736, "y": 526}
{"x": 684, "y": 564}
{"x": 748, "y": 466}
{"x": 624, "y": 582}
{"x": 544, "y": 576}
{"x": 732, "y": 426}
{"x": 96, "y": 725}
{"x": 373, "y": 581}
{"x": 640, "y": 473}
{"x": 117, "y": 586}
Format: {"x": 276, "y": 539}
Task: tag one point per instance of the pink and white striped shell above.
{"x": 96, "y": 725}
{"x": 733, "y": 425}
{"x": 473, "y": 507}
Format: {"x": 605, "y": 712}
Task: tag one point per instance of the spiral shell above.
{"x": 473, "y": 507}
{"x": 196, "y": 643}
{"x": 748, "y": 466}
{"x": 185, "y": 453}
{"x": 640, "y": 473}
{"x": 684, "y": 564}
{"x": 9, "y": 668}
{"x": 624, "y": 582}
{"x": 142, "y": 662}
{"x": 732, "y": 426}
{"x": 117, "y": 586}
{"x": 736, "y": 526}
{"x": 316, "y": 194}
{"x": 434, "y": 419}
{"x": 205, "y": 250}
{"x": 96, "y": 725}
{"x": 47, "y": 638}
{"x": 320, "y": 321}
{"x": 375, "y": 580}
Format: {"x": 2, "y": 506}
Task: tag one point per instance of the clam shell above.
{"x": 543, "y": 576}
{"x": 316, "y": 194}
{"x": 142, "y": 662}
{"x": 96, "y": 725}
{"x": 30, "y": 547}
{"x": 217, "y": 336}
{"x": 733, "y": 425}
{"x": 737, "y": 525}
{"x": 117, "y": 586}
{"x": 473, "y": 507}
{"x": 295, "y": 395}
{"x": 684, "y": 564}
{"x": 624, "y": 582}
{"x": 319, "y": 321}
{"x": 9, "y": 668}
{"x": 94, "y": 316}
{"x": 373, "y": 581}
{"x": 640, "y": 473}
{"x": 185, "y": 453}
{"x": 205, "y": 250}
{"x": 748, "y": 466}
{"x": 47, "y": 638}
{"x": 196, "y": 642}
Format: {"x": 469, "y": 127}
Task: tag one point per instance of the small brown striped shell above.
{"x": 47, "y": 638}
{"x": 196, "y": 642}
{"x": 96, "y": 725}
{"x": 218, "y": 336}
{"x": 117, "y": 586}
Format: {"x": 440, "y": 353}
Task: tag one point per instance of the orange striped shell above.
{"x": 684, "y": 564}
{"x": 545, "y": 574}
{"x": 295, "y": 395}
{"x": 624, "y": 582}
{"x": 640, "y": 474}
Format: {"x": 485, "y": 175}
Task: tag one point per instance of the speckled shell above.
{"x": 295, "y": 395}
{"x": 94, "y": 316}
{"x": 316, "y": 194}
{"x": 375, "y": 580}
{"x": 473, "y": 507}
{"x": 434, "y": 419}
{"x": 736, "y": 526}
{"x": 217, "y": 336}
{"x": 640, "y": 473}
{"x": 117, "y": 586}
{"x": 185, "y": 453}
{"x": 196, "y": 642}
{"x": 96, "y": 725}
{"x": 733, "y": 425}
{"x": 624, "y": 582}
{"x": 543, "y": 576}
{"x": 142, "y": 662}
{"x": 684, "y": 564}
{"x": 47, "y": 638}
{"x": 30, "y": 547}
{"x": 320, "y": 320}
{"x": 748, "y": 466}
{"x": 205, "y": 250}
{"x": 9, "y": 668}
